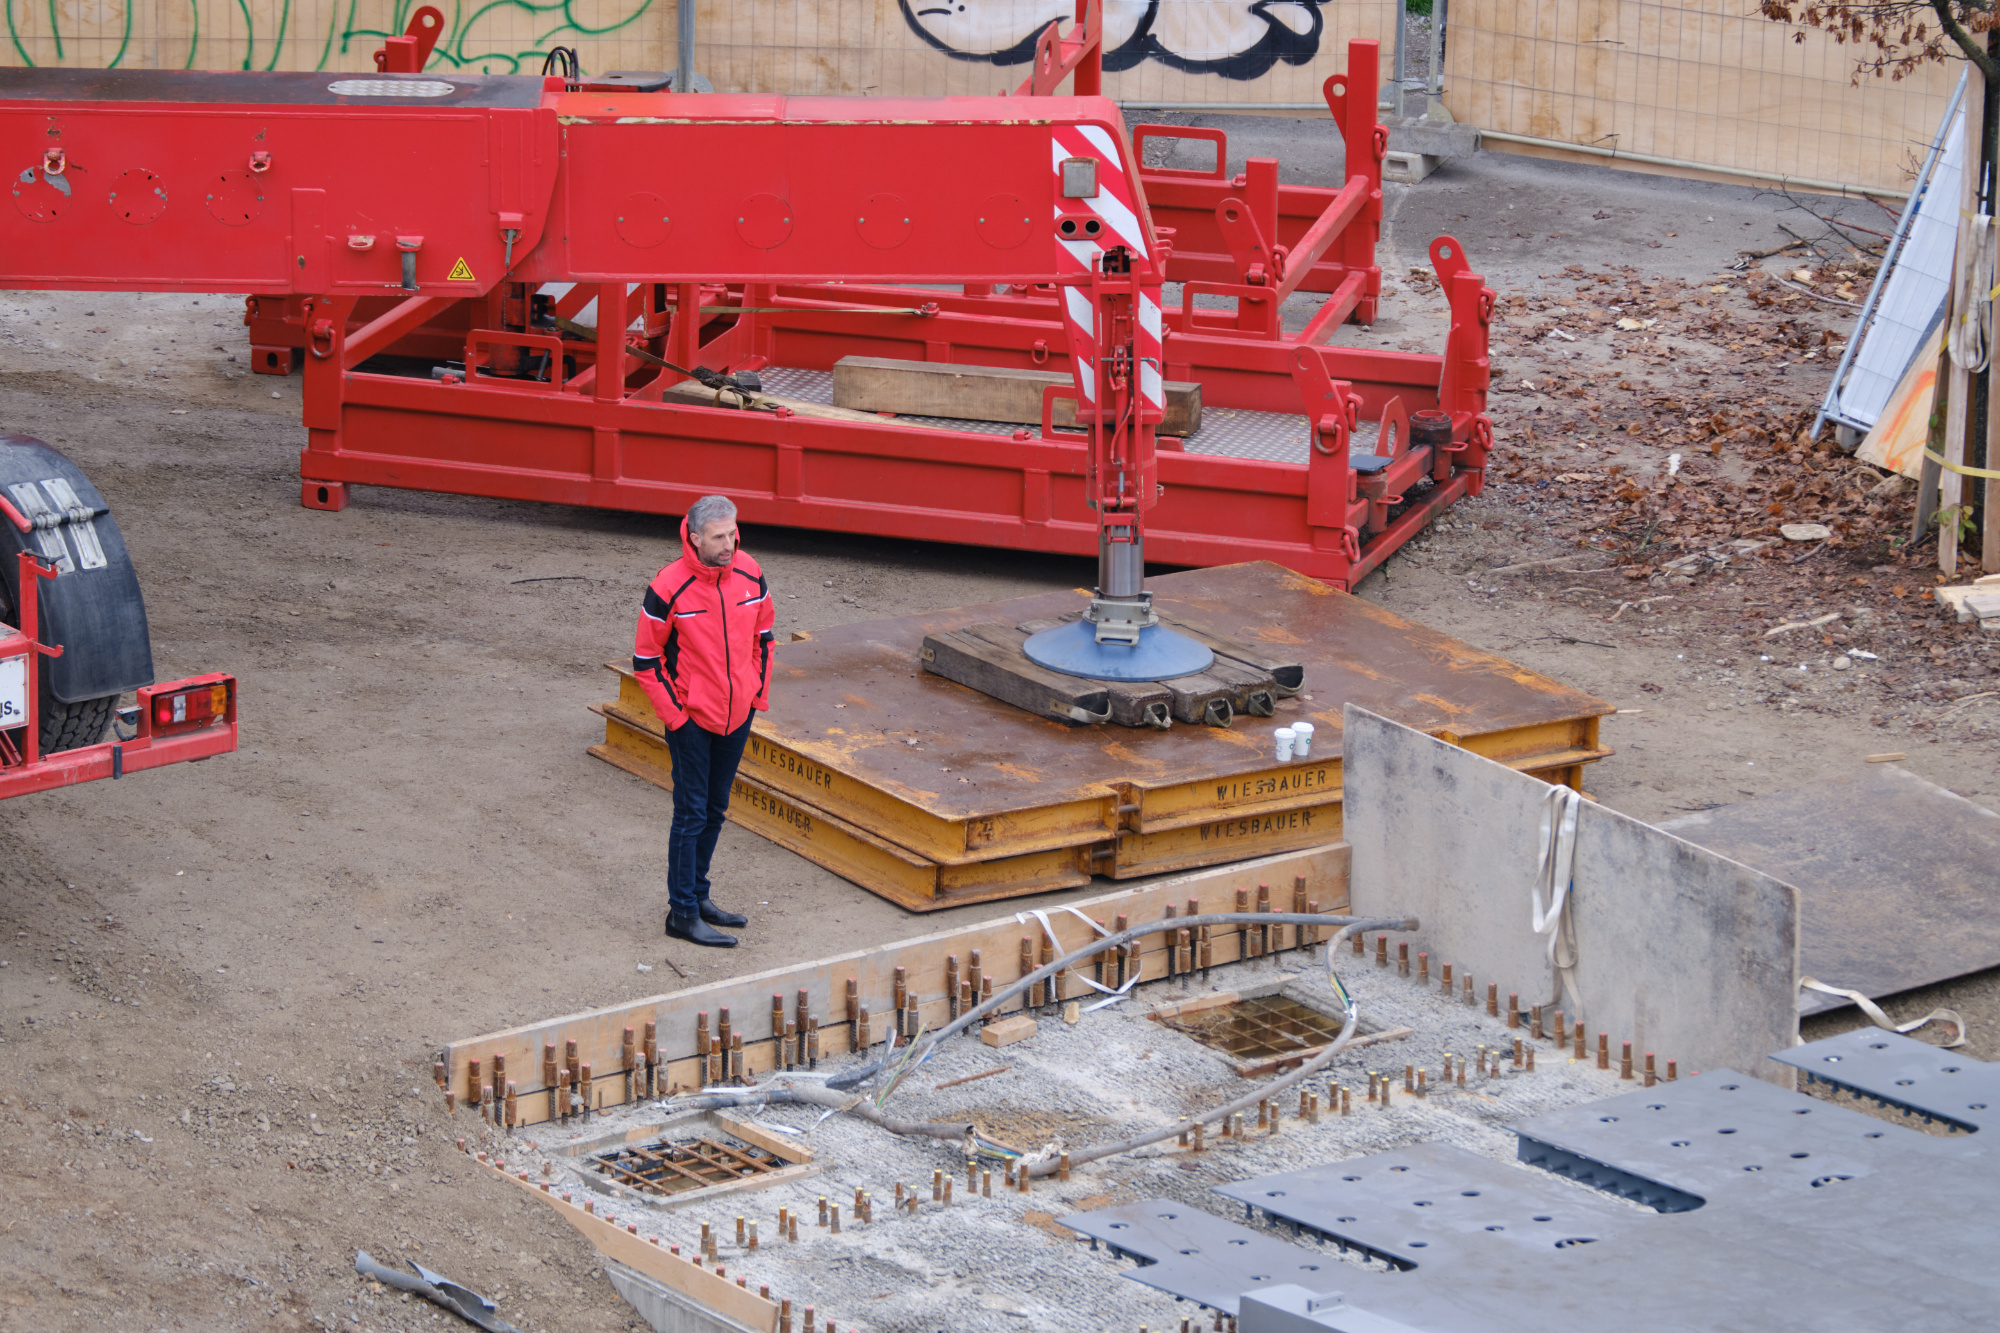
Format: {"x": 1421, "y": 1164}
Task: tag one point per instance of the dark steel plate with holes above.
{"x": 1739, "y": 1206}
{"x": 1197, "y": 1256}
{"x": 1701, "y": 1138}
{"x": 1433, "y": 1204}
{"x": 1946, "y": 1086}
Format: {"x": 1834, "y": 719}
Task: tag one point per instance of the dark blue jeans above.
{"x": 704, "y": 767}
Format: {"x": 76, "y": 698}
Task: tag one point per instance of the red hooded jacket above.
{"x": 703, "y": 647}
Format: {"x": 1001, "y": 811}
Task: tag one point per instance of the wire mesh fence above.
{"x": 1275, "y": 52}
{"x": 1703, "y": 81}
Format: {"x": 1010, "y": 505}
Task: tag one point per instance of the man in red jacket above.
{"x": 702, "y": 653}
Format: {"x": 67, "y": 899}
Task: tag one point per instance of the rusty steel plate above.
{"x": 1898, "y": 878}
{"x": 851, "y": 703}
{"x": 919, "y": 788}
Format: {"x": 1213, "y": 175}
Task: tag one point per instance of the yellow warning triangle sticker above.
{"x": 460, "y": 272}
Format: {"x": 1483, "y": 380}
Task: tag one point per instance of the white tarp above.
{"x": 1905, "y": 306}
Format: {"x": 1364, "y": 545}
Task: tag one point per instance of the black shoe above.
{"x": 715, "y": 916}
{"x": 696, "y": 931}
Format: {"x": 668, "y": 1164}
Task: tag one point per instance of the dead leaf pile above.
{"x": 1651, "y": 517}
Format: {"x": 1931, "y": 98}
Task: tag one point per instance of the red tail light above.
{"x": 196, "y": 707}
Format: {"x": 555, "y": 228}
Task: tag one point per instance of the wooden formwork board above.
{"x": 600, "y": 1034}
{"x": 740, "y": 1306}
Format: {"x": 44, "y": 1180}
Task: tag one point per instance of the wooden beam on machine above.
{"x": 980, "y": 393}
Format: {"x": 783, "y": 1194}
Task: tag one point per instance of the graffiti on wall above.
{"x": 480, "y": 38}
{"x": 1237, "y": 39}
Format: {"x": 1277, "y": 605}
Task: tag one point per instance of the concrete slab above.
{"x": 1900, "y": 878}
{"x": 1680, "y": 951}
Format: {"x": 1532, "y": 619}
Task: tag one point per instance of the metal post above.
{"x": 1395, "y": 103}
{"x": 684, "y": 69}
{"x": 1435, "y": 81}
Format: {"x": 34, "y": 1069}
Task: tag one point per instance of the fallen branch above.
{"x": 1968, "y": 699}
{"x": 1807, "y": 291}
{"x": 1814, "y": 623}
{"x": 972, "y": 1078}
{"x": 1766, "y": 254}
{"x": 1623, "y": 607}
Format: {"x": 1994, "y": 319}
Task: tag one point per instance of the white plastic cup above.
{"x": 1302, "y": 739}
{"x": 1284, "y": 737}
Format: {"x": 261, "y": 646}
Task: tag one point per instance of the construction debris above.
{"x": 950, "y": 1257}
{"x": 438, "y": 1289}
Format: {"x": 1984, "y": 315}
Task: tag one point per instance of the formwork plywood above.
{"x": 1318, "y": 875}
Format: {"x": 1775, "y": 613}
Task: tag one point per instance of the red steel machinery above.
{"x": 569, "y": 290}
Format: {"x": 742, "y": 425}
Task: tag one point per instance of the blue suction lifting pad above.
{"x": 1161, "y": 653}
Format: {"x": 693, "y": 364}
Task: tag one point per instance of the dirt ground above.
{"x": 221, "y": 985}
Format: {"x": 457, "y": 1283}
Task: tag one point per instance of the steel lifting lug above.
{"x": 1331, "y": 436}
{"x": 320, "y": 336}
{"x": 260, "y": 162}
{"x": 1039, "y": 353}
{"x": 54, "y": 161}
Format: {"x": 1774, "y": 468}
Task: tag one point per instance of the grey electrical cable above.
{"x": 851, "y": 1103}
{"x": 1348, "y": 925}
{"x": 1303, "y": 1072}
{"x": 859, "y": 1105}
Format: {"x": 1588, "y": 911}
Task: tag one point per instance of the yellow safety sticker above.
{"x": 460, "y": 272}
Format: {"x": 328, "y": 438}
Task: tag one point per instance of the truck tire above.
{"x": 93, "y": 608}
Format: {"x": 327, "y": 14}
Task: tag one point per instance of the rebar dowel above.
{"x": 839, "y": 1099}
{"x": 1001, "y": 995}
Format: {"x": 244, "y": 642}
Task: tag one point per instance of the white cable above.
{"x": 1882, "y": 1020}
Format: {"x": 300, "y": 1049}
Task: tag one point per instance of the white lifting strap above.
{"x": 1553, "y": 883}
{"x": 1057, "y": 946}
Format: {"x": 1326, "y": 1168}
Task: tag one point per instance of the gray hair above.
{"x": 710, "y": 509}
